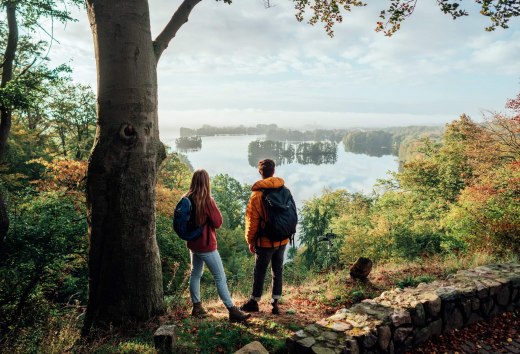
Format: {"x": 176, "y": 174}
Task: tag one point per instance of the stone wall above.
{"x": 400, "y": 319}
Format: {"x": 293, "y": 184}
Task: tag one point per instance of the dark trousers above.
{"x": 263, "y": 257}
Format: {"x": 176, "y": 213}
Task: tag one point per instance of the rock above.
{"x": 514, "y": 296}
{"x": 482, "y": 290}
{"x": 432, "y": 330}
{"x": 432, "y": 304}
{"x": 418, "y": 314}
{"x": 369, "y": 340}
{"x": 351, "y": 346}
{"x": 502, "y": 296}
{"x": 435, "y": 328}
{"x": 164, "y": 339}
{"x": 452, "y": 317}
{"x": 318, "y": 349}
{"x": 400, "y": 317}
{"x": 361, "y": 268}
{"x": 312, "y": 330}
{"x": 391, "y": 349}
{"x": 467, "y": 307}
{"x": 400, "y": 334}
{"x": 486, "y": 306}
{"x": 300, "y": 334}
{"x": 324, "y": 322}
{"x": 304, "y": 345}
{"x": 253, "y": 348}
{"x": 338, "y": 316}
{"x": 475, "y": 304}
{"x": 330, "y": 336}
{"x": 447, "y": 293}
{"x": 384, "y": 335}
{"x": 341, "y": 326}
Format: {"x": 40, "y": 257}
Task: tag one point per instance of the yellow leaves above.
{"x": 166, "y": 199}
{"x": 64, "y": 174}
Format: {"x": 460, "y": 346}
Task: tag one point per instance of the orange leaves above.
{"x": 63, "y": 174}
{"x": 166, "y": 199}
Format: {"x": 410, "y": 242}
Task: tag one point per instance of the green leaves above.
{"x": 330, "y": 12}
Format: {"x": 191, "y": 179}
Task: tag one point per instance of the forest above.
{"x": 85, "y": 183}
{"x": 454, "y": 204}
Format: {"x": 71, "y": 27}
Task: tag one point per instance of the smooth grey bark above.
{"x": 5, "y": 112}
{"x": 125, "y": 281}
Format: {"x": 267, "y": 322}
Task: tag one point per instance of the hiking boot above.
{"x": 250, "y": 306}
{"x": 275, "y": 310}
{"x": 235, "y": 315}
{"x": 198, "y": 310}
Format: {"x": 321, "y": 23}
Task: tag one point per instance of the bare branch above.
{"x": 179, "y": 18}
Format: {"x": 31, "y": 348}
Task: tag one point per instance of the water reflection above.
{"x": 370, "y": 150}
{"x": 308, "y": 153}
{"x": 373, "y": 143}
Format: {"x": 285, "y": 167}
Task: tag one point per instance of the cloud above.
{"x": 245, "y": 58}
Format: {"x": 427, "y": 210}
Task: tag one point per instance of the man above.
{"x": 268, "y": 231}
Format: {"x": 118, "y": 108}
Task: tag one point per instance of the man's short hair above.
{"x": 266, "y": 167}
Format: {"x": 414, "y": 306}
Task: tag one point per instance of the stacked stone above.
{"x": 400, "y": 319}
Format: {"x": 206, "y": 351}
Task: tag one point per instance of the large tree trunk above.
{"x": 125, "y": 281}
{"x": 5, "y": 112}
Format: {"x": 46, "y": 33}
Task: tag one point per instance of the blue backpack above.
{"x": 181, "y": 221}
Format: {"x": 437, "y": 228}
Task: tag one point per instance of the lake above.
{"x": 305, "y": 178}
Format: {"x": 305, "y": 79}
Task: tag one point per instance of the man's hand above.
{"x": 252, "y": 249}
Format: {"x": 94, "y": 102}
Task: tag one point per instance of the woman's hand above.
{"x": 252, "y": 249}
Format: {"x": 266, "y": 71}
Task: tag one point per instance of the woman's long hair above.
{"x": 200, "y": 194}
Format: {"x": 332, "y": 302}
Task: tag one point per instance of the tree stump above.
{"x": 361, "y": 268}
{"x": 164, "y": 339}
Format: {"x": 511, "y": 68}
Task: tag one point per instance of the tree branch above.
{"x": 179, "y": 18}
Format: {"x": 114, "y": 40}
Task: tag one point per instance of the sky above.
{"x": 245, "y": 64}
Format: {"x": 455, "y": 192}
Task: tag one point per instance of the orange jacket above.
{"x": 255, "y": 213}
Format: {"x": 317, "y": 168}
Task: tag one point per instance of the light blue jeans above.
{"x": 214, "y": 264}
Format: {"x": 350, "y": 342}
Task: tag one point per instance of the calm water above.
{"x": 354, "y": 172}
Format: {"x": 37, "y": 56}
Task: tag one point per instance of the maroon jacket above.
{"x": 213, "y": 221}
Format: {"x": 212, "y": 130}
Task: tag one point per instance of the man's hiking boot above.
{"x": 198, "y": 310}
{"x": 235, "y": 315}
{"x": 250, "y": 306}
{"x": 275, "y": 310}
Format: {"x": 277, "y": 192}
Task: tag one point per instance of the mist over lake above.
{"x": 229, "y": 155}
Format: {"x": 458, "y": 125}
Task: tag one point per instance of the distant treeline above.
{"x": 208, "y": 130}
{"x": 334, "y": 135}
{"x": 305, "y": 153}
{"x": 271, "y": 131}
{"x": 397, "y": 141}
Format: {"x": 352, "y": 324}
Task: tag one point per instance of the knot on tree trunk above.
{"x": 128, "y": 134}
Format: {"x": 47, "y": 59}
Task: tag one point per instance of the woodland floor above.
{"x": 300, "y": 306}
{"x": 498, "y": 335}
{"x": 306, "y": 304}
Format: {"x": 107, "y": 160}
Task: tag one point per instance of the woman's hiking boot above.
{"x": 235, "y": 315}
{"x": 275, "y": 310}
{"x": 250, "y": 306}
{"x": 198, "y": 310}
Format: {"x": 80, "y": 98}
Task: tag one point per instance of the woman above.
{"x": 204, "y": 249}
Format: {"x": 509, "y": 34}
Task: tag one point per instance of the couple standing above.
{"x": 267, "y": 249}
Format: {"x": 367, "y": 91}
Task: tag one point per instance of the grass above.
{"x": 410, "y": 281}
{"x": 309, "y": 301}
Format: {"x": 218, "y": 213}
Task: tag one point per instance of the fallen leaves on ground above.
{"x": 491, "y": 336}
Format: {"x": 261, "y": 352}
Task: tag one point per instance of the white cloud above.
{"x": 242, "y": 56}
